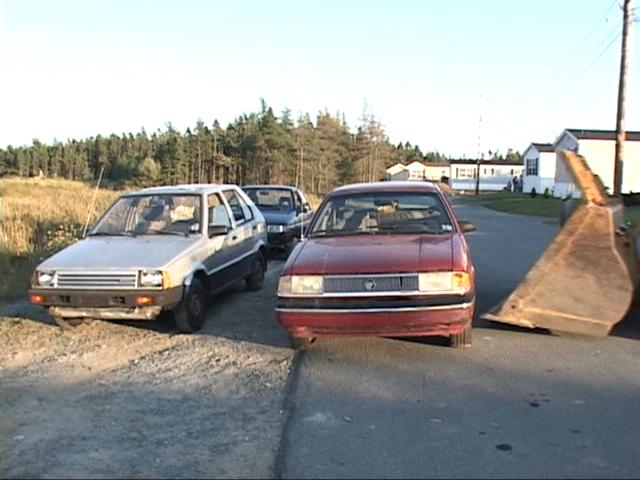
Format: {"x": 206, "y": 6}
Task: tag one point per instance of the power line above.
{"x": 544, "y": 83}
{"x": 525, "y": 124}
{"x": 505, "y": 131}
{"x": 582, "y": 44}
{"x": 552, "y": 92}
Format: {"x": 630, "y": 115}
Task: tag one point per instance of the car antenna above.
{"x": 302, "y": 224}
{"x": 302, "y": 183}
{"x": 93, "y": 202}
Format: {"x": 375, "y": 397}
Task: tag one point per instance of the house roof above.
{"x": 484, "y": 162}
{"x": 436, "y": 164}
{"x": 416, "y": 164}
{"x": 393, "y": 169}
{"x": 580, "y": 134}
{"x": 543, "y": 147}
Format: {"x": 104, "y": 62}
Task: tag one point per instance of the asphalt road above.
{"x": 518, "y": 404}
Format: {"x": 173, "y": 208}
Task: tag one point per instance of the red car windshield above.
{"x": 386, "y": 212}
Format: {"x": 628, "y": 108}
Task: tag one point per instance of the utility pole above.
{"x": 622, "y": 86}
{"x": 478, "y": 155}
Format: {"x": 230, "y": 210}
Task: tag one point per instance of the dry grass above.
{"x": 314, "y": 200}
{"x": 37, "y": 218}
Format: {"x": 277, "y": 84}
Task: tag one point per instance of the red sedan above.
{"x": 380, "y": 259}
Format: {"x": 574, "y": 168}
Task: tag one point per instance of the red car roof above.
{"x": 391, "y": 186}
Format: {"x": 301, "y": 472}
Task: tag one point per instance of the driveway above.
{"x": 234, "y": 401}
{"x": 518, "y": 404}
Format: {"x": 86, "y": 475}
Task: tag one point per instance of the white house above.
{"x": 396, "y": 172}
{"x": 417, "y": 171}
{"x": 434, "y": 172}
{"x": 494, "y": 176}
{"x": 598, "y": 149}
{"x": 539, "y": 160}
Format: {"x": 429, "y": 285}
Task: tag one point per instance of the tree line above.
{"x": 259, "y": 147}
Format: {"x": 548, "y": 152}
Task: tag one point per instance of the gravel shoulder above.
{"x": 137, "y": 400}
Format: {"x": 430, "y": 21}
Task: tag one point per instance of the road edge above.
{"x": 288, "y": 406}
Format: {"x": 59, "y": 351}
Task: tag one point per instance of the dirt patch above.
{"x": 114, "y": 400}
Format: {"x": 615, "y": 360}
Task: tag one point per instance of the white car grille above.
{"x": 371, "y": 283}
{"x": 96, "y": 279}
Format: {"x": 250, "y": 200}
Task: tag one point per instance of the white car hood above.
{"x": 121, "y": 253}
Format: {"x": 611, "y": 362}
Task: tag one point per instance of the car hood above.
{"x": 109, "y": 253}
{"x": 372, "y": 254}
{"x": 278, "y": 217}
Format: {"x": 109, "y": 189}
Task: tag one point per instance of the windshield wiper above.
{"x": 331, "y": 233}
{"x": 409, "y": 229}
{"x": 165, "y": 232}
{"x": 112, "y": 234}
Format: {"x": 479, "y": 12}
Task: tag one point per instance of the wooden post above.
{"x": 622, "y": 86}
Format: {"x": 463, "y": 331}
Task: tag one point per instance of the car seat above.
{"x": 284, "y": 203}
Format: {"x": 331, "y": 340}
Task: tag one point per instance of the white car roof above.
{"x": 194, "y": 188}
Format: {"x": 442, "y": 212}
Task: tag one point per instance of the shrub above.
{"x": 546, "y": 193}
{"x": 533, "y": 192}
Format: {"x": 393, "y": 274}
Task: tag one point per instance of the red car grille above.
{"x": 371, "y": 283}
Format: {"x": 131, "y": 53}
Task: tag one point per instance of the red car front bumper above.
{"x": 371, "y": 321}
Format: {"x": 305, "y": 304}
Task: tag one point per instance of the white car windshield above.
{"x": 382, "y": 212}
{"x": 157, "y": 214}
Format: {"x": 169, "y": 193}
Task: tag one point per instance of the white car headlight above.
{"x": 151, "y": 278}
{"x": 300, "y": 285}
{"x": 275, "y": 228}
{"x": 444, "y": 282}
{"x": 45, "y": 279}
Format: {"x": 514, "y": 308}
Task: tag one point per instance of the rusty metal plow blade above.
{"x": 585, "y": 280}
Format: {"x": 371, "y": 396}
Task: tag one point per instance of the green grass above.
{"x": 517, "y": 203}
{"x": 485, "y": 197}
{"x": 632, "y": 214}
{"x": 524, "y": 204}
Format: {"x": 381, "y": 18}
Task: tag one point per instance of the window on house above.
{"x": 532, "y": 166}
{"x": 466, "y": 172}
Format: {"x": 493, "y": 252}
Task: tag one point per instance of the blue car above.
{"x": 285, "y": 210}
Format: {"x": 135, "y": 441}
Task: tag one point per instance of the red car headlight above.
{"x": 444, "y": 282}
{"x": 300, "y": 285}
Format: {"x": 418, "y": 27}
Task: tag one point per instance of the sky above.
{"x": 454, "y": 77}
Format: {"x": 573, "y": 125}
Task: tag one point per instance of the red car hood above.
{"x": 372, "y": 254}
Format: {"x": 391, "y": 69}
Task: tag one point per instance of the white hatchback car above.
{"x": 157, "y": 249}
